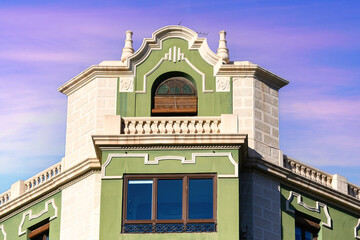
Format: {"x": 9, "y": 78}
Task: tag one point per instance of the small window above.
{"x": 169, "y": 203}
{"x": 175, "y": 96}
{"x": 306, "y": 228}
{"x": 40, "y": 233}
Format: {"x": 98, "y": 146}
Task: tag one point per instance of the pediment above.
{"x": 179, "y": 32}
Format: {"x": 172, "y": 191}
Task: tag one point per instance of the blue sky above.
{"x": 313, "y": 44}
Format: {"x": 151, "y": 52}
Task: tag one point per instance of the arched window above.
{"x": 175, "y": 96}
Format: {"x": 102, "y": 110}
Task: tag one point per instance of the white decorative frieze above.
{"x": 126, "y": 84}
{"x": 223, "y": 84}
{"x": 183, "y": 160}
{"x": 299, "y": 201}
{"x": 31, "y": 216}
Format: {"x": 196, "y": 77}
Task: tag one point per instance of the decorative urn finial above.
{"x": 222, "y": 51}
{"x": 128, "y": 48}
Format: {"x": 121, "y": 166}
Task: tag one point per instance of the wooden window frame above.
{"x": 175, "y": 104}
{"x": 185, "y": 198}
{"x": 40, "y": 230}
{"x": 305, "y": 224}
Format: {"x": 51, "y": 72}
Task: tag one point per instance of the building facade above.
{"x": 177, "y": 142}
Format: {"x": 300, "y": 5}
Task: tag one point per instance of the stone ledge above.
{"x": 287, "y": 177}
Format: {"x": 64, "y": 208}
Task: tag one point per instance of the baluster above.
{"x": 207, "y": 126}
{"x": 177, "y": 128}
{"x": 162, "y": 127}
{"x": 147, "y": 127}
{"x": 154, "y": 127}
{"x": 199, "y": 126}
{"x": 132, "y": 128}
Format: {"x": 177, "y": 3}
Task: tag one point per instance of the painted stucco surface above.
{"x": 11, "y": 225}
{"x": 343, "y": 222}
{"x": 210, "y": 103}
{"x": 227, "y": 194}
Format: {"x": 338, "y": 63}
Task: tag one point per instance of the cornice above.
{"x": 95, "y": 71}
{"x": 166, "y": 140}
{"x": 54, "y": 185}
{"x": 288, "y": 178}
{"x": 252, "y": 70}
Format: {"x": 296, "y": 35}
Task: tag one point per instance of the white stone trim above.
{"x": 31, "y": 216}
{"x": 292, "y": 194}
{"x": 3, "y": 231}
{"x": 121, "y": 155}
{"x": 202, "y": 75}
{"x": 181, "y": 158}
{"x": 356, "y": 229}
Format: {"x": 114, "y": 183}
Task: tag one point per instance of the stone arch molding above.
{"x": 180, "y": 158}
{"x": 299, "y": 201}
{"x": 2, "y": 232}
{"x": 155, "y": 43}
{"x": 34, "y": 216}
{"x": 175, "y": 55}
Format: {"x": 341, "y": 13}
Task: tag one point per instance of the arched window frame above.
{"x": 177, "y": 102}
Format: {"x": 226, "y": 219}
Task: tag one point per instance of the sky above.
{"x": 313, "y": 44}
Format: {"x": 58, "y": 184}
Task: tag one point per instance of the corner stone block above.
{"x": 229, "y": 123}
{"x": 340, "y": 183}
{"x": 17, "y": 189}
{"x": 112, "y": 124}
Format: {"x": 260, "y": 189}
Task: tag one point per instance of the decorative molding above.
{"x": 155, "y": 43}
{"x": 169, "y": 57}
{"x": 181, "y": 158}
{"x": 174, "y": 55}
{"x": 31, "y": 216}
{"x": 292, "y": 194}
{"x": 356, "y": 230}
{"x": 223, "y": 84}
{"x": 3, "y": 231}
{"x": 166, "y": 147}
{"x": 126, "y": 84}
{"x": 121, "y": 155}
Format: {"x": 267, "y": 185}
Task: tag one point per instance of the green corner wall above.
{"x": 11, "y": 225}
{"x": 343, "y": 222}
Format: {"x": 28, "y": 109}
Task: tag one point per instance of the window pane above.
{"x": 169, "y": 202}
{"x": 308, "y": 235}
{"x": 200, "y": 198}
{"x": 139, "y": 197}
{"x": 297, "y": 233}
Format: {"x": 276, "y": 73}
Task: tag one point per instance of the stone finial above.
{"x": 222, "y": 51}
{"x": 128, "y": 48}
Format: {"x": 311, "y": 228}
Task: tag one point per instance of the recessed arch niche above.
{"x": 174, "y": 94}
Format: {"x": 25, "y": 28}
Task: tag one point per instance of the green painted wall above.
{"x": 343, "y": 222}
{"x": 227, "y": 192}
{"x": 12, "y": 224}
{"x": 209, "y": 104}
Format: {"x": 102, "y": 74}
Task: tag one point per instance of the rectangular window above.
{"x": 40, "y": 233}
{"x": 306, "y": 228}
{"x": 169, "y": 203}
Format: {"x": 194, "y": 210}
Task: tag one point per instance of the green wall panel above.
{"x": 227, "y": 192}
{"x": 11, "y": 225}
